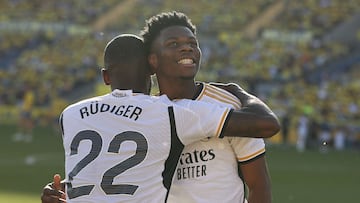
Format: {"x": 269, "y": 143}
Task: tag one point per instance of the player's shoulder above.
{"x": 163, "y": 102}
{"x": 211, "y": 87}
{"x": 79, "y": 104}
{"x": 219, "y": 95}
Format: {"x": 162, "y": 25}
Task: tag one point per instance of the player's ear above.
{"x": 106, "y": 77}
{"x": 153, "y": 62}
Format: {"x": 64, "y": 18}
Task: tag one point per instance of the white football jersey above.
{"x": 124, "y": 147}
{"x": 207, "y": 170}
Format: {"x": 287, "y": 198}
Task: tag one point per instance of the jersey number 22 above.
{"x": 108, "y": 177}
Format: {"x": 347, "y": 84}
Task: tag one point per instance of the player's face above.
{"x": 176, "y": 53}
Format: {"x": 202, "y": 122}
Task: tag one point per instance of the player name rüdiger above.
{"x": 128, "y": 111}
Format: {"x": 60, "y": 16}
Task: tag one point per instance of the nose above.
{"x": 186, "y": 47}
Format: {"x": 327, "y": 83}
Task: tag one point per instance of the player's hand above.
{"x": 54, "y": 192}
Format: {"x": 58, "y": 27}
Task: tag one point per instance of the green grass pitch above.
{"x": 296, "y": 177}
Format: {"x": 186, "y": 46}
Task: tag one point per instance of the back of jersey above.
{"x": 122, "y": 147}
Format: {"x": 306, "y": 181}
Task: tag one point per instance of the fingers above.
{"x": 59, "y": 186}
{"x": 52, "y": 196}
{"x": 61, "y": 200}
{"x": 48, "y": 191}
{"x": 57, "y": 180}
{"x": 52, "y": 199}
{"x": 53, "y": 192}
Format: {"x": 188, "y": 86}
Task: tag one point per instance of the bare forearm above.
{"x": 254, "y": 119}
{"x": 249, "y": 124}
{"x": 249, "y": 102}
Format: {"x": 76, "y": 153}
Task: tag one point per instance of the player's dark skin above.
{"x": 132, "y": 73}
{"x": 177, "y": 81}
{"x": 122, "y": 75}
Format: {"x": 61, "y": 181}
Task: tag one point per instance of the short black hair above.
{"x": 123, "y": 49}
{"x": 157, "y": 23}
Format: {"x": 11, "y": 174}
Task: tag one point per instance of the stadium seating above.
{"x": 52, "y": 46}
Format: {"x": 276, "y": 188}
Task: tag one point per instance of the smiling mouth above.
{"x": 186, "y": 62}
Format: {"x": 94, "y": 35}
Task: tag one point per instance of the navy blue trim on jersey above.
{"x": 175, "y": 151}
{"x": 253, "y": 159}
{"x": 225, "y": 123}
{"x": 61, "y": 123}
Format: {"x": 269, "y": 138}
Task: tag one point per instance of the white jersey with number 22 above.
{"x": 123, "y": 147}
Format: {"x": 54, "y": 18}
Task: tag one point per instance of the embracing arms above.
{"x": 254, "y": 119}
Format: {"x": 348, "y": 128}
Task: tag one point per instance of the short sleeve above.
{"x": 200, "y": 119}
{"x": 246, "y": 148}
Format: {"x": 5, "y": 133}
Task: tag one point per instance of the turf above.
{"x": 27, "y": 167}
{"x": 296, "y": 177}
{"x": 313, "y": 176}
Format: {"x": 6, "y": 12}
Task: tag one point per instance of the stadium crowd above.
{"x": 275, "y": 49}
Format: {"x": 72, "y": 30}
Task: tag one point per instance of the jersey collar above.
{"x": 199, "y": 91}
{"x": 121, "y": 93}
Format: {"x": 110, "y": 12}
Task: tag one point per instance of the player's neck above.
{"x": 179, "y": 89}
{"x": 141, "y": 90}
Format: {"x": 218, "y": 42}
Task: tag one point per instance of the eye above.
{"x": 173, "y": 44}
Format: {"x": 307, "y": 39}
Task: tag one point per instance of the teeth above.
{"x": 186, "y": 61}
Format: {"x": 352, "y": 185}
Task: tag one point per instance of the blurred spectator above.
{"x": 54, "y": 41}
{"x": 302, "y": 133}
{"x": 339, "y": 138}
{"x": 325, "y": 138}
{"x": 285, "y": 127}
{"x": 26, "y": 120}
{"x": 313, "y": 134}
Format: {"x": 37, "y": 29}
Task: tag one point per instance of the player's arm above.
{"x": 254, "y": 119}
{"x": 249, "y": 102}
{"x": 256, "y": 176}
{"x": 241, "y": 123}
